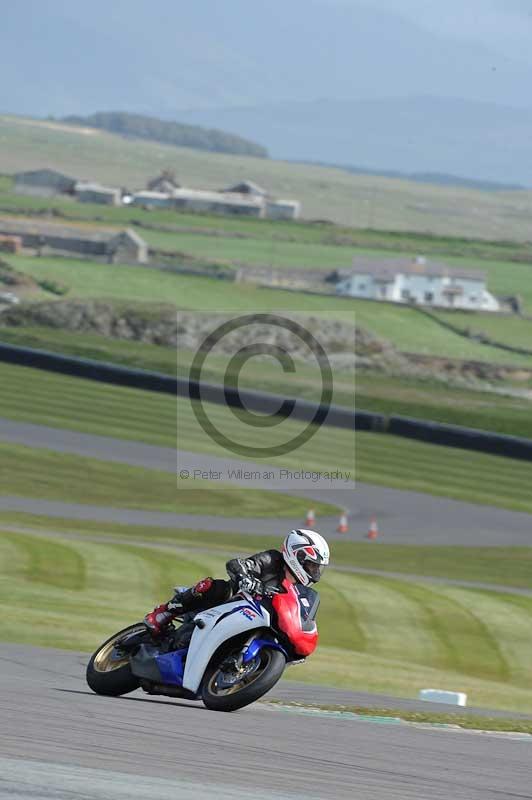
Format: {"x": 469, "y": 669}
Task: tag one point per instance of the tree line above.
{"x": 167, "y": 132}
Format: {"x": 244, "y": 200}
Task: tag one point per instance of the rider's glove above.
{"x": 251, "y": 585}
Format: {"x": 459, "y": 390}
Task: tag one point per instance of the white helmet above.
{"x": 306, "y": 553}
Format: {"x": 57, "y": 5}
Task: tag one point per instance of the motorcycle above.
{"x": 237, "y": 651}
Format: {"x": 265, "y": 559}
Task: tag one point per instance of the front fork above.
{"x": 254, "y": 645}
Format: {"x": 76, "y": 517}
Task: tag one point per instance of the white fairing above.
{"x": 237, "y": 617}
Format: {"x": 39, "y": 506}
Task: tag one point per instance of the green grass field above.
{"x": 49, "y": 475}
{"x": 514, "y": 331}
{"x": 451, "y": 405}
{"x": 378, "y": 634}
{"x": 406, "y": 328}
{"x": 356, "y": 200}
{"x": 33, "y": 396}
{"x": 504, "y": 566}
{"x": 503, "y": 277}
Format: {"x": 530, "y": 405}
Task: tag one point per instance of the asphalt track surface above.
{"x": 404, "y": 517}
{"x": 59, "y": 741}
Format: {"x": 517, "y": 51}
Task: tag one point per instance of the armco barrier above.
{"x": 338, "y": 417}
{"x": 87, "y": 368}
{"x": 464, "y": 438}
{"x": 264, "y": 402}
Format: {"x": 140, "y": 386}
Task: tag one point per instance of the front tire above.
{"x": 220, "y": 695}
{"x": 108, "y": 672}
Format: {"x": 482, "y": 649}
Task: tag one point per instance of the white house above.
{"x": 420, "y": 282}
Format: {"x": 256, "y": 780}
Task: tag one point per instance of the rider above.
{"x": 302, "y": 557}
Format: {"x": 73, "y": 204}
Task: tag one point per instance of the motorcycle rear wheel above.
{"x": 107, "y": 672}
{"x": 218, "y": 696}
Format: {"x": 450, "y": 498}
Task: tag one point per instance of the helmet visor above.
{"x": 313, "y": 569}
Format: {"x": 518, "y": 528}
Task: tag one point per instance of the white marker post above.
{"x": 440, "y": 696}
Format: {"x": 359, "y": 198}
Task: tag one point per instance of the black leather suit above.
{"x": 268, "y": 567}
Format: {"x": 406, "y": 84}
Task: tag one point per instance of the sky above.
{"x": 501, "y": 25}
{"x": 444, "y": 83}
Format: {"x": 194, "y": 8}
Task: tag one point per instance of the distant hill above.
{"x": 434, "y": 178}
{"x": 174, "y": 133}
{"x": 415, "y": 135}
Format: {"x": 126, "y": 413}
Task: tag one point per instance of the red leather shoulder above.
{"x": 286, "y": 606}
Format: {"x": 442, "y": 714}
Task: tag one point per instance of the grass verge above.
{"x": 504, "y": 566}
{"x": 475, "y": 722}
{"x": 49, "y": 475}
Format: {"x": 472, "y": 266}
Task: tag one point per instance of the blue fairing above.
{"x": 256, "y": 646}
{"x": 172, "y": 666}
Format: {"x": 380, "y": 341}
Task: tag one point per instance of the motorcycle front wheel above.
{"x": 227, "y": 687}
{"x": 109, "y": 671}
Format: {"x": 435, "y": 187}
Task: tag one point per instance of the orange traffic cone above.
{"x": 373, "y": 529}
{"x": 311, "y": 518}
{"x": 343, "y": 525}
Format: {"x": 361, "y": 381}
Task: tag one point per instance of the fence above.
{"x": 335, "y": 416}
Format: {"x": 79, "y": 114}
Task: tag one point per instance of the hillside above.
{"x": 157, "y": 130}
{"x": 360, "y": 201}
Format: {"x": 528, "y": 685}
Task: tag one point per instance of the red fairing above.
{"x": 289, "y": 621}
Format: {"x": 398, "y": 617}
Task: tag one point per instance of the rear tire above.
{"x": 108, "y": 674}
{"x": 251, "y": 688}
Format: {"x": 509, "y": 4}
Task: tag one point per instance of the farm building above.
{"x": 97, "y": 243}
{"x": 166, "y": 183}
{"x": 94, "y": 193}
{"x": 419, "y": 282}
{"x": 245, "y": 198}
{"x": 197, "y": 200}
{"x": 152, "y": 199}
{"x": 283, "y": 209}
{"x": 219, "y": 202}
{"x": 10, "y": 244}
{"x": 43, "y": 183}
{"x": 246, "y": 187}
{"x": 127, "y": 247}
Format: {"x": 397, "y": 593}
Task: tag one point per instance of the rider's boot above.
{"x": 159, "y": 619}
{"x": 185, "y": 599}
